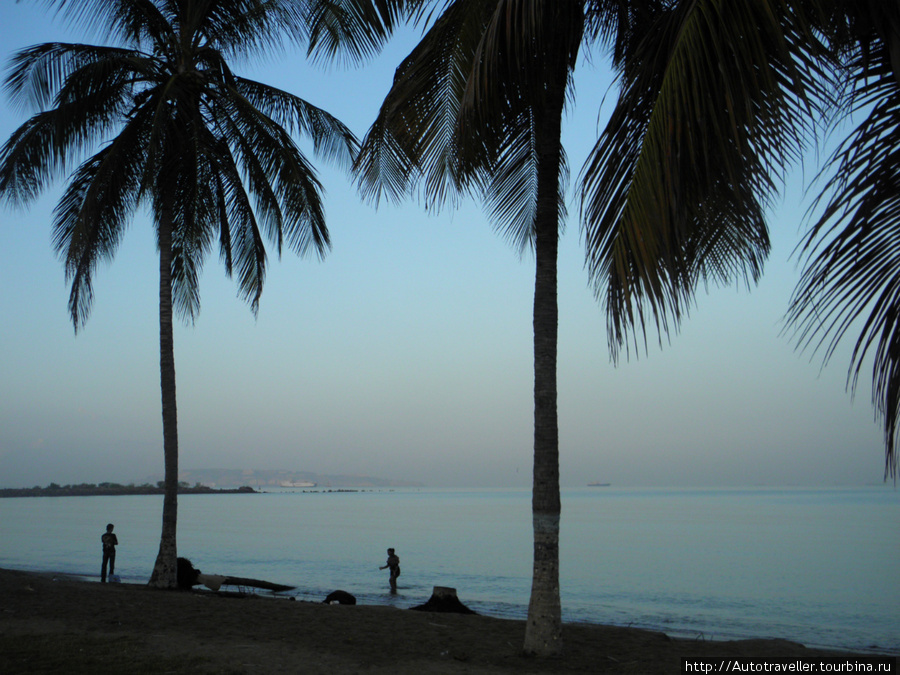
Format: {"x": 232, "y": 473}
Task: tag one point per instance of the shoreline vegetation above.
{"x": 53, "y": 623}
{"x": 205, "y": 481}
{"x": 116, "y": 489}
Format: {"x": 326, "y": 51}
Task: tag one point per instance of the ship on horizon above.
{"x": 598, "y": 484}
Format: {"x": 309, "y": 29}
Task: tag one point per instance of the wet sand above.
{"x": 49, "y": 623}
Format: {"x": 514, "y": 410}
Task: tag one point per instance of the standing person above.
{"x": 393, "y": 562}
{"x": 109, "y": 541}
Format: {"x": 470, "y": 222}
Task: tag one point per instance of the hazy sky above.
{"x": 406, "y": 353}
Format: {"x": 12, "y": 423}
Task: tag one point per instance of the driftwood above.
{"x": 256, "y": 583}
{"x": 189, "y": 576}
{"x": 443, "y": 599}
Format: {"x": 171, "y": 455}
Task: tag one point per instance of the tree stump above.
{"x": 444, "y": 593}
{"x": 444, "y": 599}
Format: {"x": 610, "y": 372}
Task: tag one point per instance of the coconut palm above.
{"x": 477, "y": 108}
{"x": 437, "y": 128}
{"x": 206, "y": 152}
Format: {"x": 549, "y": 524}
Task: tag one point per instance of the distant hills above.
{"x": 262, "y": 479}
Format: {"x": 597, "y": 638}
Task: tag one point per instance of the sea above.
{"x": 816, "y": 566}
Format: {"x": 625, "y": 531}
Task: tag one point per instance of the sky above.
{"x": 407, "y": 352}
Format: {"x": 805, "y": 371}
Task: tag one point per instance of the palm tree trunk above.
{"x": 544, "y": 626}
{"x": 164, "y": 571}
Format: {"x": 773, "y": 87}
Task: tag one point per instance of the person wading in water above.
{"x": 393, "y": 562}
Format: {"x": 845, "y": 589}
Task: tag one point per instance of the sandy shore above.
{"x": 53, "y": 624}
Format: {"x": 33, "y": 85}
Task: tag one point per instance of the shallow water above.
{"x": 816, "y": 566}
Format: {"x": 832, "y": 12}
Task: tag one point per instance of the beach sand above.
{"x": 50, "y": 623}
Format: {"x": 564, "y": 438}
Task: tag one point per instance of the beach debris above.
{"x": 256, "y": 583}
{"x": 189, "y": 576}
{"x": 186, "y": 574}
{"x": 340, "y": 597}
{"x": 212, "y": 581}
{"x": 444, "y": 599}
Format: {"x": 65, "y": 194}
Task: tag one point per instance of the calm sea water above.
{"x": 817, "y": 566}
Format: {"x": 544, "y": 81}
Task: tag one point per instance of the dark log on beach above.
{"x": 189, "y": 576}
{"x": 255, "y": 583}
{"x": 443, "y": 599}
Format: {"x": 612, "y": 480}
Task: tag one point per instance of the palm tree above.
{"x": 437, "y": 126}
{"x": 477, "y": 108}
{"x": 205, "y": 151}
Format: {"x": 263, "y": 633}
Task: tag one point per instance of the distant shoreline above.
{"x": 116, "y": 490}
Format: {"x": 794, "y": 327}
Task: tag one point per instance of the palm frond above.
{"x": 94, "y": 211}
{"x": 254, "y": 147}
{"x": 332, "y": 139}
{"x": 511, "y": 190}
{"x": 90, "y": 88}
{"x": 240, "y": 237}
{"x": 37, "y": 75}
{"x": 459, "y": 118}
{"x": 239, "y": 28}
{"x": 506, "y": 94}
{"x": 708, "y": 117}
{"x": 619, "y": 24}
{"x": 851, "y": 279}
{"x": 511, "y": 187}
{"x": 128, "y": 21}
{"x": 513, "y": 50}
{"x": 30, "y": 159}
{"x": 350, "y": 29}
{"x": 284, "y": 183}
{"x": 421, "y": 138}
{"x": 189, "y": 185}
